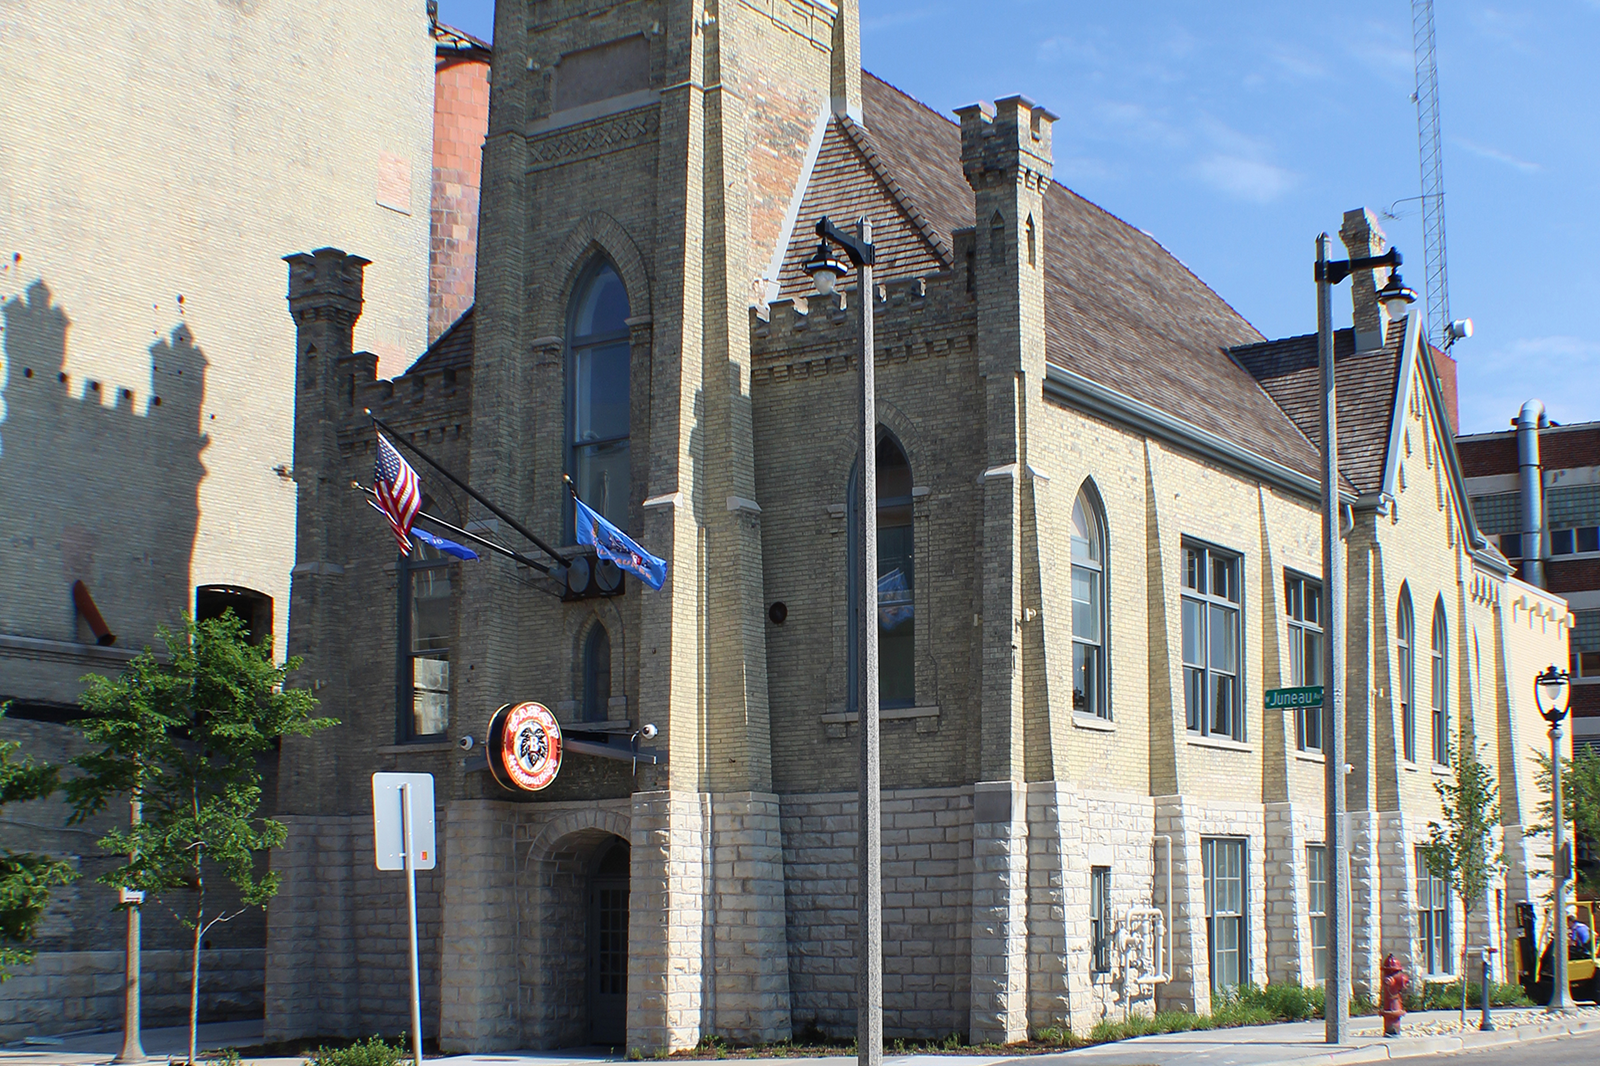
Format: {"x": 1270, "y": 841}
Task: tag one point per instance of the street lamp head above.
{"x": 1395, "y": 296}
{"x": 825, "y": 268}
{"x": 1550, "y": 692}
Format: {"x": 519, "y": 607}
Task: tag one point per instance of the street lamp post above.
{"x": 1329, "y": 273}
{"x": 1550, "y": 693}
{"x": 826, "y": 269}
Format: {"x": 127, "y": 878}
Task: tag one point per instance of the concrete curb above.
{"x": 1423, "y": 1047}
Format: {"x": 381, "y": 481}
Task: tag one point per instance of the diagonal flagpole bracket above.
{"x": 401, "y": 440}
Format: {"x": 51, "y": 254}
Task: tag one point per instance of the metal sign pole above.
{"x": 406, "y": 820}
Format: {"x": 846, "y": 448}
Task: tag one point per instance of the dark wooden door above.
{"x": 608, "y": 947}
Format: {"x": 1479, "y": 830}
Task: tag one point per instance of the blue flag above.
{"x": 609, "y": 542}
{"x": 894, "y": 599}
{"x": 449, "y": 547}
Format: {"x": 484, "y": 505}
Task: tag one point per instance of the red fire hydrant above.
{"x": 1394, "y": 984}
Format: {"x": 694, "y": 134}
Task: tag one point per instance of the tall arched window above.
{"x": 1088, "y": 608}
{"x": 1405, "y": 681}
{"x": 896, "y": 580}
{"x": 1441, "y": 688}
{"x": 598, "y": 392}
{"x": 596, "y": 674}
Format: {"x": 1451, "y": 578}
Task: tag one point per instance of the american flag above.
{"x": 399, "y": 494}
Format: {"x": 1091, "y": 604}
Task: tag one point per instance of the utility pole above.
{"x": 1336, "y": 1008}
{"x": 132, "y": 1045}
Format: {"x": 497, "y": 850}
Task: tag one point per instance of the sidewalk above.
{"x": 1285, "y": 1044}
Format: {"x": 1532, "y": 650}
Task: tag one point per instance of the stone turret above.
{"x": 1006, "y": 157}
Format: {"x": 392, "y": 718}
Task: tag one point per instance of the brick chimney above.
{"x": 1363, "y": 236}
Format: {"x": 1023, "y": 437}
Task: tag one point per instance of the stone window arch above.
{"x": 598, "y": 391}
{"x": 1405, "y": 681}
{"x": 896, "y": 570}
{"x": 595, "y": 677}
{"x": 1440, "y": 688}
{"x": 1090, "y": 613}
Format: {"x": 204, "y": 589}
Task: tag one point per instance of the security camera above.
{"x": 649, "y": 731}
{"x": 465, "y": 743}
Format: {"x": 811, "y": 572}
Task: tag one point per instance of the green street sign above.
{"x": 1279, "y": 698}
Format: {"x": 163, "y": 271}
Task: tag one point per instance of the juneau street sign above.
{"x": 1308, "y": 696}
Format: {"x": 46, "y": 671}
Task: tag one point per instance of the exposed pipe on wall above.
{"x": 1531, "y": 482}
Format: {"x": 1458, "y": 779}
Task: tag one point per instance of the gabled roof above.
{"x": 452, "y": 350}
{"x": 1121, "y": 312}
{"x": 1287, "y": 369}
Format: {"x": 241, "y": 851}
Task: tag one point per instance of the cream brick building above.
{"x": 1097, "y": 486}
{"x": 157, "y": 161}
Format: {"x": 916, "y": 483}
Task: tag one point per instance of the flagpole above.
{"x": 458, "y": 531}
{"x": 469, "y": 490}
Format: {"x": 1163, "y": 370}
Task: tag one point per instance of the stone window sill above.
{"x": 419, "y": 748}
{"x": 1311, "y": 756}
{"x": 1445, "y": 771}
{"x": 1098, "y": 725}
{"x": 1220, "y": 743}
{"x": 885, "y": 714}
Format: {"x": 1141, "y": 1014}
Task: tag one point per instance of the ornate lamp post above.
{"x": 826, "y": 269}
{"x": 1550, "y": 692}
{"x": 1396, "y": 297}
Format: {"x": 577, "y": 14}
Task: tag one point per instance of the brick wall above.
{"x": 460, "y": 120}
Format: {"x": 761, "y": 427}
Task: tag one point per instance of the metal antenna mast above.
{"x": 1427, "y": 98}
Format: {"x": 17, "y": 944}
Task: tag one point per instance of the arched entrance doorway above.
{"x": 608, "y": 944}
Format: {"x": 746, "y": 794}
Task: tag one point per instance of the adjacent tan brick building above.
{"x": 1099, "y": 546}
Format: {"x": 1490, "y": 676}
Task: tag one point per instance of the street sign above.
{"x": 1279, "y": 698}
{"x": 388, "y": 828}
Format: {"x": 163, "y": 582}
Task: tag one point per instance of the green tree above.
{"x": 1580, "y": 795}
{"x": 25, "y": 878}
{"x": 1462, "y": 852}
{"x": 184, "y": 737}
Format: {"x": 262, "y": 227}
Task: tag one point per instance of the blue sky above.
{"x": 1235, "y": 132}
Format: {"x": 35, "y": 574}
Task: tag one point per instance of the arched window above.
{"x": 598, "y": 392}
{"x": 1405, "y": 682}
{"x": 1088, "y": 608}
{"x": 596, "y": 674}
{"x": 1441, "y": 688}
{"x": 896, "y": 580}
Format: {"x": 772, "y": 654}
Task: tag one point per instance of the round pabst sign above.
{"x": 524, "y": 746}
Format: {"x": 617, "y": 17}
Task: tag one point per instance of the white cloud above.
{"x": 1243, "y": 178}
{"x": 1498, "y": 156}
{"x": 1559, "y": 370}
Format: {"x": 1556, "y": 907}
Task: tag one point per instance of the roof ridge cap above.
{"x": 861, "y": 140}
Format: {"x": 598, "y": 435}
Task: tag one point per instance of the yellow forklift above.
{"x": 1535, "y": 966}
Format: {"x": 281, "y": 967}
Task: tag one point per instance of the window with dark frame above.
{"x": 1227, "y": 934}
{"x": 1317, "y": 908}
{"x": 1303, "y": 598}
{"x": 1433, "y": 913}
{"x": 1211, "y": 653}
{"x": 1405, "y": 681}
{"x": 1441, "y": 688}
{"x": 1100, "y": 919}
{"x": 598, "y": 394}
{"x": 896, "y": 594}
{"x": 425, "y": 593}
{"x": 596, "y": 674}
{"x": 1089, "y": 661}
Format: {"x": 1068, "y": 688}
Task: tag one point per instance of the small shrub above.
{"x": 227, "y": 1056}
{"x": 375, "y": 1052}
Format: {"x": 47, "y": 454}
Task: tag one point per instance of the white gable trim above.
{"x": 767, "y": 285}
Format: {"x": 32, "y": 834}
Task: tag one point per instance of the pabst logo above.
{"x": 524, "y": 746}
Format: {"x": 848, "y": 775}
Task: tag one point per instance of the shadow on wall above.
{"x": 94, "y": 488}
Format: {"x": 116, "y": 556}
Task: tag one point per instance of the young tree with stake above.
{"x": 1463, "y": 852}
{"x": 183, "y": 739}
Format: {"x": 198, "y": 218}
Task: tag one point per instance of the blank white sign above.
{"x": 387, "y": 829}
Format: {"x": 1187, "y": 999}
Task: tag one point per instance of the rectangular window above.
{"x": 1100, "y": 918}
{"x": 1303, "y": 598}
{"x": 425, "y": 645}
{"x": 1223, "y": 859}
{"x": 1586, "y": 644}
{"x": 1211, "y": 659}
{"x": 1317, "y": 908}
{"x": 1433, "y": 919}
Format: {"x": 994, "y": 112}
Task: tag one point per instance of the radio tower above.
{"x": 1427, "y": 98}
